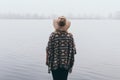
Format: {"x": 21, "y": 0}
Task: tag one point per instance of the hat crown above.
{"x": 58, "y": 27}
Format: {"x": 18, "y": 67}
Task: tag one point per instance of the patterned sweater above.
{"x": 60, "y": 51}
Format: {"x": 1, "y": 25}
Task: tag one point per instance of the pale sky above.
{"x": 60, "y": 6}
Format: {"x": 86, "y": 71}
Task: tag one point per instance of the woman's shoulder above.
{"x": 53, "y": 34}
{"x": 59, "y": 33}
{"x": 70, "y": 34}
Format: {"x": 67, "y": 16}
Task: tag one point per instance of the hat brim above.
{"x": 57, "y": 27}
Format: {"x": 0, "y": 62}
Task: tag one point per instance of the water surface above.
{"x": 23, "y": 43}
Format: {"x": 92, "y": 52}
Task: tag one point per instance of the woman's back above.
{"x": 61, "y": 50}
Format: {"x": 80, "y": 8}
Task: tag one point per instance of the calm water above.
{"x": 23, "y": 42}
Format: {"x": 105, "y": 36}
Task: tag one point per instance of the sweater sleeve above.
{"x": 72, "y": 51}
{"x": 73, "y": 44}
{"x": 49, "y": 50}
{"x": 50, "y": 42}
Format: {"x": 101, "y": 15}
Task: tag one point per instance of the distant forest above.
{"x": 70, "y": 16}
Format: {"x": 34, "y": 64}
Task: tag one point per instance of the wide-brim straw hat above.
{"x": 64, "y": 28}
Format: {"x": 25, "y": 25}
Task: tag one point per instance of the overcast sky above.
{"x": 60, "y": 6}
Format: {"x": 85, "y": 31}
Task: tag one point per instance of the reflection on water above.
{"x": 23, "y": 42}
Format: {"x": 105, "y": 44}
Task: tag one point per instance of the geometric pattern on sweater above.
{"x": 61, "y": 50}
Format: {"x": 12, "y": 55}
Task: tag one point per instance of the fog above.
{"x": 60, "y": 7}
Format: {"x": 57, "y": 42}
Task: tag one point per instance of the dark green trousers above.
{"x": 60, "y": 74}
